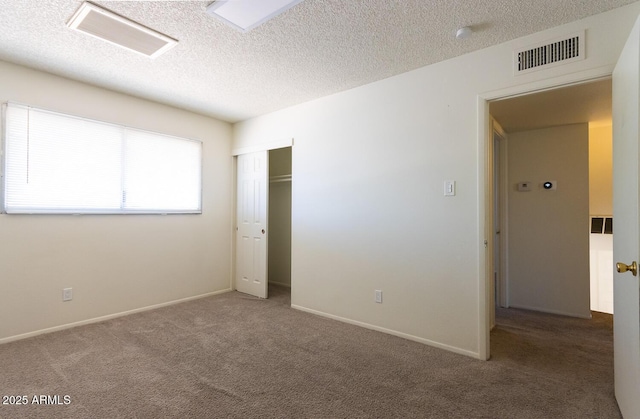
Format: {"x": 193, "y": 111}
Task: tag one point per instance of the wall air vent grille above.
{"x": 564, "y": 51}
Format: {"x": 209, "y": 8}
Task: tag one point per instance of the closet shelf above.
{"x": 280, "y": 178}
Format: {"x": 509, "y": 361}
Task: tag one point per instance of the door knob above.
{"x": 263, "y": 231}
{"x": 622, "y": 268}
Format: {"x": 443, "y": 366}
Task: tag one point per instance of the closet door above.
{"x": 251, "y": 234}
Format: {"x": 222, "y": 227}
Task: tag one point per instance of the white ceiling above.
{"x": 586, "y": 102}
{"x": 316, "y": 48}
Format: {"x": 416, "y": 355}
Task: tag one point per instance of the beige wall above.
{"x": 114, "y": 263}
{"x": 548, "y": 230}
{"x": 600, "y": 169}
{"x": 368, "y": 206}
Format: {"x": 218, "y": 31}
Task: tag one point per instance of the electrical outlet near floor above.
{"x": 67, "y": 294}
{"x": 379, "y": 296}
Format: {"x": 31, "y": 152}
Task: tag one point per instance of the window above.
{"x": 55, "y": 163}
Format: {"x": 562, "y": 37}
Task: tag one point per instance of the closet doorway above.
{"x": 279, "y": 254}
{"x": 263, "y": 221}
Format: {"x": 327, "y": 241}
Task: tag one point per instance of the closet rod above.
{"x": 281, "y": 178}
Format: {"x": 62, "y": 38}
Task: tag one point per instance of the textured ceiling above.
{"x": 316, "y": 48}
{"x": 587, "y": 102}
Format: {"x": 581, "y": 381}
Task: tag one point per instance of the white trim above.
{"x": 233, "y": 205}
{"x": 498, "y": 128}
{"x": 3, "y": 142}
{"x": 287, "y": 142}
{"x": 390, "y": 332}
{"x": 557, "y": 312}
{"x": 484, "y": 289}
{"x": 548, "y": 84}
{"x": 483, "y": 99}
{"x": 504, "y": 214}
{"x": 107, "y": 317}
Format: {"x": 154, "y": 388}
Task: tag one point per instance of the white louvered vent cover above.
{"x": 551, "y": 54}
{"x": 110, "y": 27}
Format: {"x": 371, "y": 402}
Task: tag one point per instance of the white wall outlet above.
{"x": 67, "y": 294}
{"x": 379, "y": 296}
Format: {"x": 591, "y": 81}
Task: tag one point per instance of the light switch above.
{"x": 449, "y": 188}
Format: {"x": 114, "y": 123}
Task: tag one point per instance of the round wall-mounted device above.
{"x": 549, "y": 185}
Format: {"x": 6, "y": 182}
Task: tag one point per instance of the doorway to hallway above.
{"x": 534, "y": 262}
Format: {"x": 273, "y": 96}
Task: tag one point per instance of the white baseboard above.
{"x": 544, "y": 310}
{"x": 107, "y": 317}
{"x": 282, "y": 284}
{"x": 392, "y": 332}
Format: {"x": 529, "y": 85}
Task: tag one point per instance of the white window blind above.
{"x": 55, "y": 163}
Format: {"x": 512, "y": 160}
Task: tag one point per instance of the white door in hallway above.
{"x": 251, "y": 237}
{"x": 626, "y": 238}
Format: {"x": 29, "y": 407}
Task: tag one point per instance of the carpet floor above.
{"x": 235, "y": 356}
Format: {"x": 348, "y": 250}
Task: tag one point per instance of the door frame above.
{"x": 500, "y": 285}
{"x": 485, "y": 187}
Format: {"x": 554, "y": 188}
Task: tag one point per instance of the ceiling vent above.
{"x": 551, "y": 54}
{"x": 118, "y": 30}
